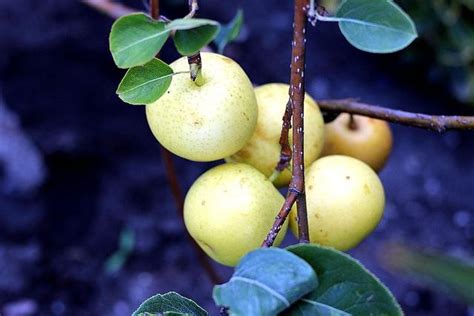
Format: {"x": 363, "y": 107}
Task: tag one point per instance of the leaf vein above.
{"x": 262, "y": 286}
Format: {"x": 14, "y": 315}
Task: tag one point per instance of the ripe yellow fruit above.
{"x": 207, "y": 122}
{"x": 345, "y": 202}
{"x": 230, "y": 209}
{"x": 263, "y": 149}
{"x": 364, "y": 138}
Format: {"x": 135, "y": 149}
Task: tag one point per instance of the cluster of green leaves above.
{"x": 299, "y": 280}
{"x": 447, "y": 46}
{"x": 136, "y": 39}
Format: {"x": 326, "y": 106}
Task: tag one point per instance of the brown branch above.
{"x": 285, "y": 154}
{"x": 175, "y": 187}
{"x": 280, "y": 218}
{"x": 438, "y": 123}
{"x": 178, "y": 196}
{"x": 112, "y": 9}
{"x": 296, "y": 191}
{"x": 155, "y": 9}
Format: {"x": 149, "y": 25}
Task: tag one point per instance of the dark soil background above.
{"x": 78, "y": 166}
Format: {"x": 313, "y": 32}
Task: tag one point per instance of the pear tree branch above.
{"x": 437, "y": 123}
{"x": 174, "y": 185}
{"x": 296, "y": 191}
{"x": 110, "y": 8}
{"x": 178, "y": 196}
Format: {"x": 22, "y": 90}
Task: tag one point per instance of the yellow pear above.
{"x": 263, "y": 149}
{"x": 230, "y": 209}
{"x": 345, "y": 202}
{"x": 361, "y": 137}
{"x": 209, "y": 121}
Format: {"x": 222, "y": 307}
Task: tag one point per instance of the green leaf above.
{"x": 187, "y": 24}
{"x": 451, "y": 275}
{"x": 169, "y": 304}
{"x": 266, "y": 282}
{"x": 191, "y": 35}
{"x": 375, "y": 26}
{"x": 135, "y": 39}
{"x": 229, "y": 32}
{"x": 344, "y": 284}
{"x": 310, "y": 307}
{"x": 145, "y": 84}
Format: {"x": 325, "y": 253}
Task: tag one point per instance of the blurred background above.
{"x": 88, "y": 225}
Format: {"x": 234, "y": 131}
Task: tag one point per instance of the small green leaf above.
{"x": 191, "y": 36}
{"x": 169, "y": 304}
{"x": 375, "y": 26}
{"x": 266, "y": 282}
{"x": 145, "y": 84}
{"x": 229, "y": 32}
{"x": 135, "y": 39}
{"x": 344, "y": 284}
{"x": 451, "y": 275}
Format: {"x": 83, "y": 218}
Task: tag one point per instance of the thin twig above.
{"x": 193, "y": 8}
{"x": 437, "y": 123}
{"x": 155, "y": 9}
{"x": 112, "y": 9}
{"x": 280, "y": 218}
{"x": 178, "y": 196}
{"x": 285, "y": 154}
{"x": 296, "y": 191}
{"x": 175, "y": 187}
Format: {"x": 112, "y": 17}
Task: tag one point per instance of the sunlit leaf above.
{"x": 375, "y": 26}
{"x": 187, "y": 24}
{"x": 266, "y": 282}
{"x": 344, "y": 284}
{"x": 191, "y": 37}
{"x": 169, "y": 304}
{"x": 135, "y": 39}
{"x": 145, "y": 84}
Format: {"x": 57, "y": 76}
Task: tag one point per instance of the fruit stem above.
{"x": 173, "y": 183}
{"x": 194, "y": 61}
{"x": 274, "y": 176}
{"x": 195, "y": 67}
{"x": 352, "y": 123}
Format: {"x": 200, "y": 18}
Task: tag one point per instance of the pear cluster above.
{"x": 230, "y": 208}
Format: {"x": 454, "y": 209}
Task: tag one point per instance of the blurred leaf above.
{"x": 189, "y": 41}
{"x": 266, "y": 282}
{"x": 375, "y": 26}
{"x": 126, "y": 244}
{"x": 452, "y": 275}
{"x": 169, "y": 304}
{"x": 344, "y": 284}
{"x": 145, "y": 84}
{"x": 469, "y": 4}
{"x": 135, "y": 39}
{"x": 229, "y": 32}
